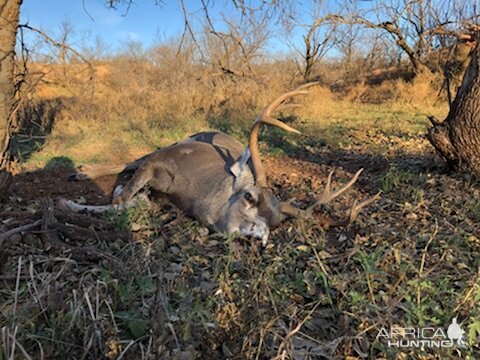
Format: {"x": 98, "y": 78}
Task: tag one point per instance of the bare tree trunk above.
{"x": 457, "y": 139}
{"x": 9, "y": 14}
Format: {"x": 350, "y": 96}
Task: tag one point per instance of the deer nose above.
{"x": 258, "y": 231}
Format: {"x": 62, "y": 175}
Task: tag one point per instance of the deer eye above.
{"x": 249, "y": 197}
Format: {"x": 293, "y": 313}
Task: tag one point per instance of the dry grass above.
{"x": 133, "y": 106}
{"x": 119, "y": 126}
{"x": 421, "y": 93}
{"x": 177, "y": 292}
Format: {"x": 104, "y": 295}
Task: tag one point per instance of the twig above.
{"x": 18, "y": 230}
{"x": 467, "y": 296}
{"x": 49, "y": 231}
{"x": 188, "y": 29}
{"x": 56, "y": 43}
{"x": 10, "y": 119}
{"x": 22, "y": 349}
{"x": 324, "y": 270}
{"x": 17, "y": 285}
{"x": 130, "y": 344}
{"x": 86, "y": 11}
{"x": 24, "y": 218}
{"x": 296, "y": 329}
{"x": 422, "y": 263}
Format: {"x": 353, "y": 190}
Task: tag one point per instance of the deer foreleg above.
{"x": 153, "y": 172}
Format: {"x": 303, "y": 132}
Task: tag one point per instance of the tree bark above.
{"x": 457, "y": 139}
{"x": 9, "y": 17}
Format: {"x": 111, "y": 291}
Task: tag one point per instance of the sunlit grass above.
{"x": 120, "y": 139}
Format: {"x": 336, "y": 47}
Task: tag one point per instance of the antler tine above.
{"x": 327, "y": 195}
{"x": 265, "y": 117}
{"x": 288, "y": 106}
{"x": 355, "y": 209}
{"x": 352, "y": 212}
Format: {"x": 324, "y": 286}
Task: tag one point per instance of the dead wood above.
{"x": 50, "y": 231}
{"x": 80, "y": 233}
{"x": 82, "y": 220}
{"x": 18, "y": 230}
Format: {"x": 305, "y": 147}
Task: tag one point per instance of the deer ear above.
{"x": 240, "y": 168}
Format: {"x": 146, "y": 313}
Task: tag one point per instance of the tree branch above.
{"x": 52, "y": 41}
{"x": 188, "y": 29}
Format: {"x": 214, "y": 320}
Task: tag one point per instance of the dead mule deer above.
{"x": 214, "y": 179}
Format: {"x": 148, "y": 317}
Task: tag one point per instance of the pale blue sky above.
{"x": 143, "y": 21}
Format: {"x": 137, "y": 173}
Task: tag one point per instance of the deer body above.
{"x": 218, "y": 181}
{"x": 216, "y": 194}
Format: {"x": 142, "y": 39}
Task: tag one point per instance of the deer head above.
{"x": 260, "y": 197}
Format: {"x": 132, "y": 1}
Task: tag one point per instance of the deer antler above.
{"x": 265, "y": 117}
{"x": 327, "y": 196}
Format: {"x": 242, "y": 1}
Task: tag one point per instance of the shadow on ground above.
{"x": 35, "y": 122}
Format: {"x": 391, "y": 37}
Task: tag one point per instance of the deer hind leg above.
{"x": 153, "y": 171}
{"x": 92, "y": 172}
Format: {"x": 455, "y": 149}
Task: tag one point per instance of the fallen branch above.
{"x": 18, "y": 230}
{"x": 17, "y": 214}
{"x": 18, "y": 218}
{"x": 86, "y": 221}
{"x": 79, "y": 233}
{"x": 50, "y": 229}
{"x": 69, "y": 205}
{"x": 13, "y": 221}
{"x": 74, "y": 226}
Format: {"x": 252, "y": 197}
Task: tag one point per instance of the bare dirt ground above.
{"x": 54, "y": 183}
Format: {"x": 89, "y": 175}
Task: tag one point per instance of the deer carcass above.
{"x": 214, "y": 179}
